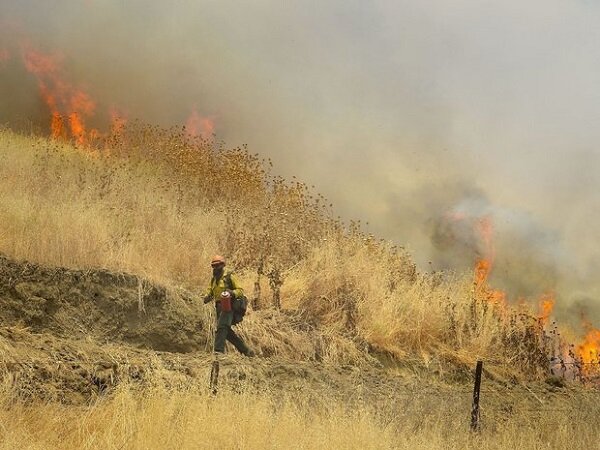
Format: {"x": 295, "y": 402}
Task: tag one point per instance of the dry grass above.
{"x": 63, "y": 207}
{"x": 193, "y": 419}
{"x": 153, "y": 203}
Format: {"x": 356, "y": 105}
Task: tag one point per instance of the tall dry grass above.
{"x": 194, "y": 419}
{"x": 157, "y": 204}
{"x": 154, "y": 203}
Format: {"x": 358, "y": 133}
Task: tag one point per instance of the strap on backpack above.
{"x": 228, "y": 282}
{"x": 226, "y": 279}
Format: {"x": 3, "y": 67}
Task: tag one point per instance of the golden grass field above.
{"x": 155, "y": 204}
{"x": 166, "y": 420}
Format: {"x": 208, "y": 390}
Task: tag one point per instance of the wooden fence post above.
{"x": 214, "y": 376}
{"x": 476, "y": 391}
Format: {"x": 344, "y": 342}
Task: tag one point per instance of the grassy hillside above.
{"x": 156, "y": 204}
{"x": 105, "y": 343}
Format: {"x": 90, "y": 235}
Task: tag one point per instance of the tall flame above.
{"x": 71, "y": 108}
{"x": 546, "y": 306}
{"x": 62, "y": 98}
{"x": 589, "y": 350}
{"x": 483, "y": 266}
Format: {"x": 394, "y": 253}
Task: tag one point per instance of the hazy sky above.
{"x": 398, "y": 111}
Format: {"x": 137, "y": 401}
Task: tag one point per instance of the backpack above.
{"x": 239, "y": 304}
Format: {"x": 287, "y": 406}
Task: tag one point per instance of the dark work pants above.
{"x": 225, "y": 332}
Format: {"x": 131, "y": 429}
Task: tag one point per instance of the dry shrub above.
{"x": 370, "y": 292}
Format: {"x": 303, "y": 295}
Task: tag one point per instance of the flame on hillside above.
{"x": 484, "y": 228}
{"x": 71, "y": 106}
{"x": 589, "y": 350}
{"x": 546, "y": 306}
{"x": 483, "y": 266}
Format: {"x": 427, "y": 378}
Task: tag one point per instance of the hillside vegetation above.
{"x": 107, "y": 250}
{"x": 158, "y": 204}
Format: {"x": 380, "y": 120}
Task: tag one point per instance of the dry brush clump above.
{"x": 370, "y": 292}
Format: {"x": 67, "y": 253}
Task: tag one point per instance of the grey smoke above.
{"x": 398, "y": 111}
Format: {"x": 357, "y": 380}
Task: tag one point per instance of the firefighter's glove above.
{"x": 207, "y": 299}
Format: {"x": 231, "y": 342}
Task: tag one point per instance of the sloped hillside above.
{"x": 157, "y": 204}
{"x": 104, "y": 342}
{"x": 72, "y": 334}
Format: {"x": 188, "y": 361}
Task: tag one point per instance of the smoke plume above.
{"x": 421, "y": 118}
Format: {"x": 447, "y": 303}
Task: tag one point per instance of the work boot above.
{"x": 249, "y": 353}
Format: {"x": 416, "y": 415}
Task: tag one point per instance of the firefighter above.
{"x": 223, "y": 289}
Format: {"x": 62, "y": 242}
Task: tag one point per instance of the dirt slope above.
{"x": 71, "y": 335}
{"x": 74, "y": 336}
{"x": 98, "y": 304}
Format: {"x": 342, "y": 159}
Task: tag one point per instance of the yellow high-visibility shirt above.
{"x": 218, "y": 286}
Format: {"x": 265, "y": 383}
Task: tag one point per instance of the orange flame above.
{"x": 483, "y": 267}
{"x": 482, "y": 271}
{"x": 589, "y": 350}
{"x": 56, "y": 125}
{"x": 546, "y": 305}
{"x": 196, "y": 125}
{"x": 495, "y": 296}
{"x": 71, "y": 108}
{"x": 62, "y": 98}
